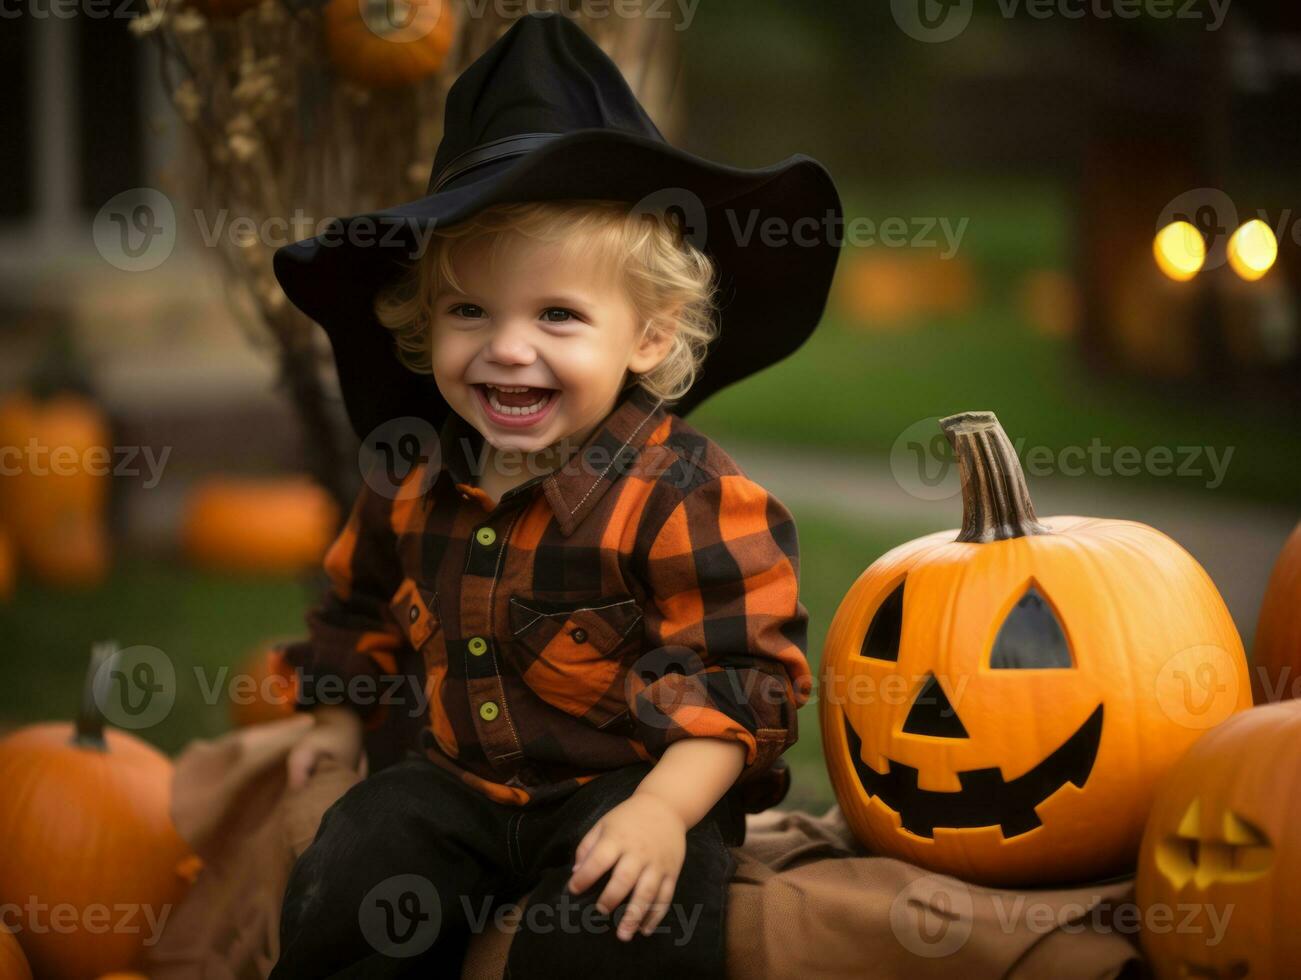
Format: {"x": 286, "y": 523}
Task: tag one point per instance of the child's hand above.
{"x": 645, "y": 840}
{"x": 337, "y": 733}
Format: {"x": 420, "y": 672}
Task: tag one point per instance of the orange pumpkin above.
{"x": 266, "y": 689}
{"x": 13, "y": 964}
{"x": 275, "y": 526}
{"x": 1221, "y": 856}
{"x": 388, "y": 43}
{"x": 887, "y": 290}
{"x": 1277, "y": 649}
{"x": 55, "y": 496}
{"x": 997, "y": 701}
{"x": 84, "y": 817}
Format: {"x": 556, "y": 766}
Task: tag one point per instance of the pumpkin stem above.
{"x": 995, "y": 499}
{"x": 89, "y": 733}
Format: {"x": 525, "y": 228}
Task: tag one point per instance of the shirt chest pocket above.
{"x": 570, "y": 651}
{"x": 416, "y": 611}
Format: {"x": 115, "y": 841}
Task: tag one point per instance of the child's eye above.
{"x": 466, "y": 310}
{"x": 566, "y": 315}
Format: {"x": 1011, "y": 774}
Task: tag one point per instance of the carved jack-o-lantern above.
{"x": 998, "y": 705}
{"x": 1220, "y": 867}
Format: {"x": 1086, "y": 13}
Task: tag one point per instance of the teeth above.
{"x": 503, "y": 388}
{"x": 533, "y": 409}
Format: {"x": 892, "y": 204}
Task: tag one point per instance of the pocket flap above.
{"x": 416, "y": 611}
{"x": 603, "y": 621}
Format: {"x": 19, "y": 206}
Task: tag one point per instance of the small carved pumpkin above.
{"x": 1276, "y": 653}
{"x": 86, "y": 828}
{"x": 1221, "y": 856}
{"x": 997, "y": 703}
{"x": 388, "y": 43}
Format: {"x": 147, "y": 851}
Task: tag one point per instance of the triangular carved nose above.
{"x": 933, "y": 714}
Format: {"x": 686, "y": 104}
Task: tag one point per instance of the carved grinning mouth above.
{"x": 986, "y": 798}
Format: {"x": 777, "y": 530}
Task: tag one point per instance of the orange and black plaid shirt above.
{"x": 644, "y": 592}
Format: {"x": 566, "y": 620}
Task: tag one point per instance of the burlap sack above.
{"x": 805, "y": 902}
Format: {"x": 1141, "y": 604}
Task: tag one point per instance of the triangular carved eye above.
{"x": 1031, "y": 636}
{"x": 882, "y": 639}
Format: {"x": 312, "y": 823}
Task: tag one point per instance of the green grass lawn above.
{"x": 206, "y": 622}
{"x": 854, "y": 391}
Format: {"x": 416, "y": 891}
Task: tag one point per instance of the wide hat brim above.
{"x": 772, "y": 232}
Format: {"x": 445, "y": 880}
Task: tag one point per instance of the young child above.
{"x": 606, "y": 607}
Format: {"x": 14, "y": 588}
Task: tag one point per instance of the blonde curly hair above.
{"x": 668, "y": 280}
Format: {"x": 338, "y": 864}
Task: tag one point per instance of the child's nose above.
{"x": 510, "y": 344}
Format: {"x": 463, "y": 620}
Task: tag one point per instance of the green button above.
{"x": 485, "y": 536}
{"x": 478, "y": 646}
{"x": 488, "y": 710}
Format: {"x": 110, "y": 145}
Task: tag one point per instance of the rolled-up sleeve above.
{"x": 353, "y": 640}
{"x": 726, "y": 634}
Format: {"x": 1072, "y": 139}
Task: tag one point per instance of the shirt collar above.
{"x": 576, "y": 487}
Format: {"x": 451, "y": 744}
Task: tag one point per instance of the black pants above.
{"x": 410, "y": 862}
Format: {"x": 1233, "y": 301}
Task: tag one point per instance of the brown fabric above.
{"x": 805, "y": 900}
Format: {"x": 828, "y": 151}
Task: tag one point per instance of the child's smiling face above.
{"x": 562, "y": 328}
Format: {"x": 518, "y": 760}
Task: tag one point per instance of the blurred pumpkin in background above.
{"x": 272, "y": 526}
{"x": 266, "y": 688}
{"x": 892, "y": 289}
{"x": 997, "y": 702}
{"x": 1223, "y": 837}
{"x": 388, "y": 43}
{"x": 1276, "y": 653}
{"x": 55, "y": 504}
{"x": 85, "y": 822}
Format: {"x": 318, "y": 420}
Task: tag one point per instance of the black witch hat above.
{"x": 544, "y": 114}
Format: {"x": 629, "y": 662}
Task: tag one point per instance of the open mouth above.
{"x": 515, "y": 405}
{"x": 986, "y": 798}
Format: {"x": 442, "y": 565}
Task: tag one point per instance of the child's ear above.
{"x": 653, "y": 344}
